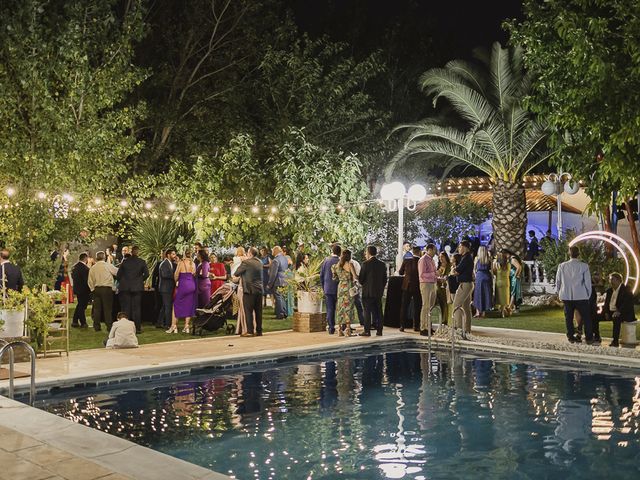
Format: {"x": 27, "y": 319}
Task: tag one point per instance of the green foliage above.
{"x": 500, "y": 137}
{"x": 15, "y": 300}
{"x": 65, "y": 72}
{"x": 307, "y": 278}
{"x": 585, "y": 56}
{"x": 593, "y": 253}
{"x": 41, "y": 311}
{"x": 452, "y": 218}
{"x": 154, "y": 236}
{"x": 384, "y": 232}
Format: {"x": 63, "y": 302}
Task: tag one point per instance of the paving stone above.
{"x": 13, "y": 441}
{"x": 44, "y": 455}
{"x": 78, "y": 469}
{"x": 19, "y": 469}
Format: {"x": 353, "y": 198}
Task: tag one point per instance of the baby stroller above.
{"x": 214, "y": 316}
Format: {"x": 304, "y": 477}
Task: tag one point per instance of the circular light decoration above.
{"x": 10, "y": 191}
{"x": 619, "y": 244}
{"x": 393, "y": 191}
{"x": 417, "y": 193}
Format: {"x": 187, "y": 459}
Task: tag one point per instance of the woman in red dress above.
{"x": 217, "y": 273}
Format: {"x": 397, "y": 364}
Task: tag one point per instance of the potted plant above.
{"x": 41, "y": 313}
{"x": 306, "y": 282}
{"x": 13, "y": 312}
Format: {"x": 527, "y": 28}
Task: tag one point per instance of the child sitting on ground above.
{"x": 123, "y": 333}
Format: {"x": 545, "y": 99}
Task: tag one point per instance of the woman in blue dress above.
{"x": 515, "y": 279}
{"x": 483, "y": 289}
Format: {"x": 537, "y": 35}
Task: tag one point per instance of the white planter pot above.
{"x": 309, "y": 302}
{"x": 628, "y": 334}
{"x": 13, "y": 323}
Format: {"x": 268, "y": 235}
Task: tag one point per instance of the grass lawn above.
{"x": 84, "y": 338}
{"x": 544, "y": 319}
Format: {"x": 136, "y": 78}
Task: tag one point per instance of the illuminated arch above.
{"x": 618, "y": 243}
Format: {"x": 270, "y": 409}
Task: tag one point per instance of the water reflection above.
{"x": 410, "y": 415}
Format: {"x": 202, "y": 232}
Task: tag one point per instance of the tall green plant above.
{"x": 153, "y": 236}
{"x": 491, "y": 131}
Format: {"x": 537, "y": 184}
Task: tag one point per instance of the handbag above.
{"x": 355, "y": 290}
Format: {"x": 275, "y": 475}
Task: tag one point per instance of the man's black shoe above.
{"x": 84, "y": 326}
{"x": 161, "y": 326}
{"x": 75, "y": 325}
{"x": 97, "y": 329}
{"x": 614, "y": 344}
{"x": 571, "y": 339}
{"x": 259, "y": 334}
{"x": 589, "y": 342}
{"x": 378, "y": 334}
{"x": 416, "y": 329}
{"x": 424, "y": 333}
{"x": 401, "y": 329}
{"x": 364, "y": 334}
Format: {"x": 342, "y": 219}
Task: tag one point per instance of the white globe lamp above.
{"x": 385, "y": 192}
{"x": 571, "y": 187}
{"x": 397, "y": 190}
{"x": 549, "y": 188}
{"x": 417, "y": 193}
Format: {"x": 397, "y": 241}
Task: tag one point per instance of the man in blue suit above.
{"x": 166, "y": 284}
{"x": 277, "y": 270}
{"x": 330, "y": 286}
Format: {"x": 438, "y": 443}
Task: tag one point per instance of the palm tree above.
{"x": 493, "y": 131}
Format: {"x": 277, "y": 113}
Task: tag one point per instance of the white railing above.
{"x": 534, "y": 279}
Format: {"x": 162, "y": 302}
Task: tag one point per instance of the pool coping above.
{"x": 29, "y": 427}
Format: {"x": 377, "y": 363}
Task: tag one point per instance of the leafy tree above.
{"x": 585, "y": 57}
{"x": 65, "y": 72}
{"x": 498, "y": 136}
{"x": 451, "y": 218}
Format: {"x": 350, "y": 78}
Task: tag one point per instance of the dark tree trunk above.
{"x": 509, "y": 216}
{"x": 632, "y": 227}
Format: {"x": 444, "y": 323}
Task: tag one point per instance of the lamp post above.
{"x": 556, "y": 184}
{"x": 396, "y": 197}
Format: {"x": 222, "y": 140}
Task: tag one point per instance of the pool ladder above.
{"x": 9, "y": 346}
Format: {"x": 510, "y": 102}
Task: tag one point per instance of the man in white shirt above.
{"x": 123, "y": 333}
{"x": 573, "y": 284}
{"x": 101, "y": 277}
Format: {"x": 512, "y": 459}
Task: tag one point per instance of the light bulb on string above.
{"x": 271, "y": 218}
{"x": 148, "y": 205}
{"x": 10, "y": 191}
{"x": 123, "y": 203}
{"x": 97, "y": 201}
{"x": 235, "y": 209}
{"x": 291, "y": 209}
{"x": 67, "y": 197}
{"x": 194, "y": 208}
{"x": 41, "y": 195}
{"x": 307, "y": 209}
{"x": 255, "y": 209}
{"x": 216, "y": 209}
{"x": 172, "y": 207}
{"x": 274, "y": 209}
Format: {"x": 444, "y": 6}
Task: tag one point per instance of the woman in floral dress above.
{"x": 344, "y": 274}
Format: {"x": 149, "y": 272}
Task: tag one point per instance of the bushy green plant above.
{"x": 15, "y": 300}
{"x": 307, "y": 278}
{"x": 593, "y": 253}
{"x": 41, "y": 312}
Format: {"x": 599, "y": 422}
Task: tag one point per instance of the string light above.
{"x": 255, "y": 209}
{"x": 10, "y": 191}
{"x": 123, "y": 203}
{"x": 194, "y": 208}
{"x": 67, "y": 197}
{"x": 148, "y": 205}
{"x": 172, "y": 207}
{"x": 235, "y": 209}
{"x": 97, "y": 200}
{"x": 41, "y": 195}
{"x": 271, "y": 218}
{"x": 274, "y": 209}
{"x": 291, "y": 209}
{"x": 216, "y": 209}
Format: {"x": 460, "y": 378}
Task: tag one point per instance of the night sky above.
{"x": 452, "y": 27}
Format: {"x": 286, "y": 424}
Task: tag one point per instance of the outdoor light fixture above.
{"x": 67, "y": 198}
{"x": 556, "y": 184}
{"x": 395, "y": 196}
{"x": 618, "y": 243}
{"x": 255, "y": 209}
{"x": 172, "y": 207}
{"x": 194, "y": 208}
{"x": 216, "y": 209}
{"x": 97, "y": 200}
{"x": 10, "y": 191}
{"x": 148, "y": 205}
{"x": 41, "y": 195}
{"x": 123, "y": 203}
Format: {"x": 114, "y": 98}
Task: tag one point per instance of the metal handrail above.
{"x": 32, "y": 354}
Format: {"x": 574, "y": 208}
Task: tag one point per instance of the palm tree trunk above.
{"x": 509, "y": 216}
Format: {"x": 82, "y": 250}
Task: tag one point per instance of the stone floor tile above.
{"x": 78, "y": 469}
{"x": 44, "y": 455}
{"x": 13, "y": 441}
{"x": 115, "y": 476}
{"x": 22, "y": 470}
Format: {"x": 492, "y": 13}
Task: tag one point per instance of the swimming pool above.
{"x": 394, "y": 414}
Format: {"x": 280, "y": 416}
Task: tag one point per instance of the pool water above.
{"x": 395, "y": 414}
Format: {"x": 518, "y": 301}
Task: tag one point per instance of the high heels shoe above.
{"x": 186, "y": 330}
{"x": 172, "y": 330}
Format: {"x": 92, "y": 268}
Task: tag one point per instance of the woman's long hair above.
{"x": 203, "y": 255}
{"x": 445, "y": 261}
{"x": 345, "y": 257}
{"x": 503, "y": 261}
{"x": 240, "y": 252}
{"x": 483, "y": 256}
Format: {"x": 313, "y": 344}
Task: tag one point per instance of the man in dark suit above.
{"x": 80, "y": 279}
{"x": 618, "y": 307}
{"x": 373, "y": 278}
{"x": 11, "y": 274}
{"x": 250, "y": 270}
{"x": 131, "y": 276}
{"x": 166, "y": 284}
{"x": 410, "y": 291}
